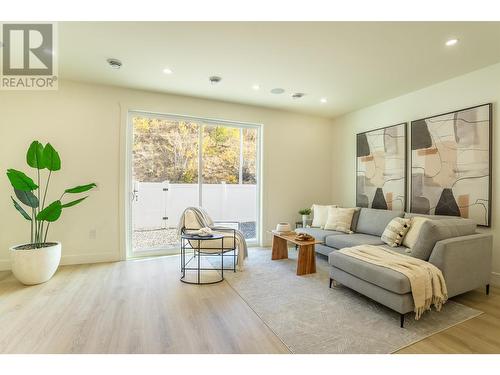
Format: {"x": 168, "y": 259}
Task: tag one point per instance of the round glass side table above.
{"x": 191, "y": 246}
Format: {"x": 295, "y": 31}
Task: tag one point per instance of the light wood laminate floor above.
{"x": 142, "y": 307}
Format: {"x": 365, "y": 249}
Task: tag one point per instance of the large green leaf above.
{"x": 34, "y": 156}
{"x": 20, "y": 209}
{"x": 80, "y": 189}
{"x": 73, "y": 203}
{"x": 51, "y": 158}
{"x": 20, "y": 181}
{"x": 51, "y": 212}
{"x": 27, "y": 197}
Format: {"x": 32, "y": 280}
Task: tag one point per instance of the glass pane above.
{"x": 221, "y": 154}
{"x": 249, "y": 156}
{"x": 165, "y": 179}
{"x": 229, "y": 190}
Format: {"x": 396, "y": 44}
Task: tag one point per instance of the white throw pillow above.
{"x": 320, "y": 215}
{"x": 395, "y": 231}
{"x": 340, "y": 219}
{"x": 412, "y": 235}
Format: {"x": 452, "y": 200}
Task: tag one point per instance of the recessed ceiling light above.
{"x": 214, "y": 79}
{"x": 298, "y": 95}
{"x": 451, "y": 42}
{"x": 256, "y": 87}
{"x": 114, "y": 63}
{"x": 277, "y": 90}
{"x": 323, "y": 100}
{"x": 167, "y": 71}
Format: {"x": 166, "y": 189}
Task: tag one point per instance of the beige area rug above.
{"x": 311, "y": 318}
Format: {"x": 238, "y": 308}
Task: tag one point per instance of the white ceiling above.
{"x": 353, "y": 64}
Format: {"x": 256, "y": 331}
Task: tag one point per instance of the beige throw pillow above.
{"x": 395, "y": 231}
{"x": 340, "y": 219}
{"x": 415, "y": 227}
{"x": 320, "y": 215}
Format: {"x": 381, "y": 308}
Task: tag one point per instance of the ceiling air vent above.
{"x": 114, "y": 63}
{"x": 214, "y": 79}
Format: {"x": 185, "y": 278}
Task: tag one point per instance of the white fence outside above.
{"x": 224, "y": 202}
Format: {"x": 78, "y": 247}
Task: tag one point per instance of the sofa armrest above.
{"x": 465, "y": 262}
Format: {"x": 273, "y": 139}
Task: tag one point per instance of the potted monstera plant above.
{"x": 37, "y": 261}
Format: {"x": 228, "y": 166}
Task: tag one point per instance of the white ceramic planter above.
{"x": 304, "y": 220}
{"x": 36, "y": 266}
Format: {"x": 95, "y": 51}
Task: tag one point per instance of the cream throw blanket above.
{"x": 197, "y": 218}
{"x": 426, "y": 280}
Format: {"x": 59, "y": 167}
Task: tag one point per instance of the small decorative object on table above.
{"x": 305, "y": 212}
{"x": 283, "y": 227}
{"x": 203, "y": 232}
{"x": 304, "y": 237}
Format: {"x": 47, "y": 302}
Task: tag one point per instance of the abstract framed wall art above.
{"x": 381, "y": 168}
{"x": 451, "y": 164}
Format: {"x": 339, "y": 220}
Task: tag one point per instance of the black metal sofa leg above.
{"x": 402, "y": 320}
{"x": 487, "y": 289}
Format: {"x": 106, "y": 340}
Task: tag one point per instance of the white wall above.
{"x": 84, "y": 121}
{"x": 479, "y": 87}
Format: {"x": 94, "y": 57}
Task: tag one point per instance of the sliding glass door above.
{"x": 229, "y": 178}
{"x": 178, "y": 162}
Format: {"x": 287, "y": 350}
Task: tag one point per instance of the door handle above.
{"x": 134, "y": 195}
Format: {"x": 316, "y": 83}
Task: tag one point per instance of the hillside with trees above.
{"x": 167, "y": 150}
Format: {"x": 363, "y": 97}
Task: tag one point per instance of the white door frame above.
{"x": 126, "y": 144}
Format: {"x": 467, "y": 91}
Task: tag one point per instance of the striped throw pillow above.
{"x": 395, "y": 231}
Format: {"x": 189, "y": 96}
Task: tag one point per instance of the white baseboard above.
{"x": 89, "y": 258}
{"x": 4, "y": 265}
{"x": 114, "y": 257}
{"x": 76, "y": 259}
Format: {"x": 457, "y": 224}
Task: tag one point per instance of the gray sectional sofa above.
{"x": 450, "y": 243}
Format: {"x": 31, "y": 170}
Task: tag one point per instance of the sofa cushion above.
{"x": 415, "y": 226}
{"x": 347, "y": 240}
{"x": 381, "y": 276}
{"x": 340, "y": 219}
{"x": 317, "y": 233}
{"x": 320, "y": 214}
{"x": 402, "y": 303}
{"x": 395, "y": 231}
{"x": 409, "y": 215}
{"x": 373, "y": 221}
{"x": 323, "y": 249}
{"x": 433, "y": 231}
{"x": 355, "y": 218}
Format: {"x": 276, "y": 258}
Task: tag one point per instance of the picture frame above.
{"x": 451, "y": 164}
{"x": 381, "y": 168}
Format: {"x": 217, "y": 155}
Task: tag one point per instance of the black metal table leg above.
{"x": 199, "y": 257}
{"x": 198, "y": 252}
{"x": 234, "y": 256}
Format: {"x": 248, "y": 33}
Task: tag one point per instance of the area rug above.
{"x": 309, "y": 317}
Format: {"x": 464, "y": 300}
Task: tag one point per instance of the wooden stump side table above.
{"x": 306, "y": 262}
